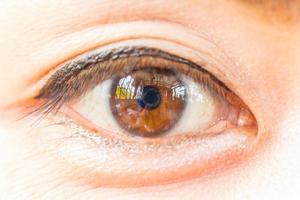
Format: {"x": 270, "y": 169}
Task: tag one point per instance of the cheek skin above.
{"x": 45, "y": 167}
{"x": 46, "y": 171}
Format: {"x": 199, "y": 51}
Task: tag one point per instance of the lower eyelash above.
{"x": 61, "y": 119}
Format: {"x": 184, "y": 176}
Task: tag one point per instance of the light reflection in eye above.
{"x": 194, "y": 109}
{"x": 178, "y": 91}
{"x": 127, "y": 93}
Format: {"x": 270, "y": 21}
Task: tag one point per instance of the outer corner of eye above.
{"x": 157, "y": 122}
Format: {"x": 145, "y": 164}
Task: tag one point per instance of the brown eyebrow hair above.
{"x": 283, "y": 10}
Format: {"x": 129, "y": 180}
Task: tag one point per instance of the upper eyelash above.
{"x": 55, "y": 93}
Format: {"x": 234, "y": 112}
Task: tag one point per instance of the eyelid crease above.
{"x": 77, "y": 77}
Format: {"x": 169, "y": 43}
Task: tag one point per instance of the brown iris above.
{"x": 147, "y": 102}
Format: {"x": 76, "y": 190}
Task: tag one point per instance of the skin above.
{"x": 37, "y": 36}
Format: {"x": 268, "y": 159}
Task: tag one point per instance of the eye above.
{"x": 147, "y": 111}
{"x": 156, "y": 101}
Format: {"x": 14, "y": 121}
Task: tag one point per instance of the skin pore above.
{"x": 257, "y": 55}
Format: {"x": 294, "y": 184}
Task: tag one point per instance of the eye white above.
{"x": 199, "y": 111}
{"x": 95, "y": 107}
{"x": 199, "y": 114}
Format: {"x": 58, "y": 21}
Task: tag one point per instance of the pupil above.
{"x": 150, "y": 98}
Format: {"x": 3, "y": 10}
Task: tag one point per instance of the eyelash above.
{"x": 77, "y": 77}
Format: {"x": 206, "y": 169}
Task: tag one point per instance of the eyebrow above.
{"x": 286, "y": 10}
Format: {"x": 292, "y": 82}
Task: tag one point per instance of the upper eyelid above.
{"x": 205, "y": 51}
{"x": 76, "y": 66}
{"x": 201, "y": 46}
{"x": 124, "y": 52}
{"x": 54, "y": 91}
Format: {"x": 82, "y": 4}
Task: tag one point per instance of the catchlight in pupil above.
{"x": 147, "y": 102}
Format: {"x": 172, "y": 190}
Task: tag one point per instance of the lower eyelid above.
{"x": 111, "y": 162}
{"x": 100, "y": 161}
